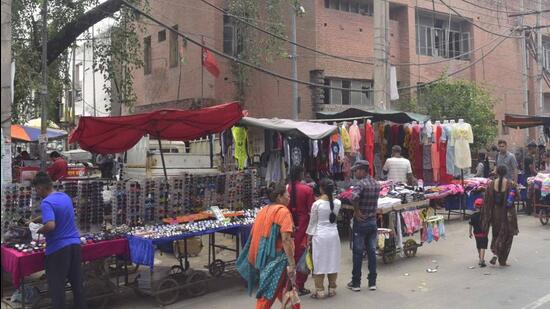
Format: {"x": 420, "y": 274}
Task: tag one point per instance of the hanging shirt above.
{"x": 298, "y": 150}
{"x": 462, "y": 138}
{"x": 369, "y": 146}
{"x": 355, "y": 135}
{"x": 446, "y": 136}
{"x": 240, "y": 137}
{"x": 346, "y": 139}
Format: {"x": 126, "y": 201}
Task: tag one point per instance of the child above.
{"x": 481, "y": 237}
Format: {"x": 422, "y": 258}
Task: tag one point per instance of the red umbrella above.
{"x": 118, "y": 134}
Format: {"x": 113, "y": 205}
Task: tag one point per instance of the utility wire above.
{"x": 490, "y": 9}
{"x": 340, "y": 57}
{"x": 283, "y": 77}
{"x": 478, "y": 26}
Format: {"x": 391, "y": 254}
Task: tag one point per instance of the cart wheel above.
{"x": 409, "y": 248}
{"x": 197, "y": 285}
{"x": 216, "y": 268}
{"x": 167, "y": 292}
{"x": 98, "y": 292}
{"x": 388, "y": 258}
{"x": 544, "y": 216}
{"x": 176, "y": 270}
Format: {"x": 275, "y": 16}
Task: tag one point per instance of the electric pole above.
{"x": 6, "y": 93}
{"x": 524, "y": 78}
{"x": 44, "y": 93}
{"x": 381, "y": 52}
{"x": 294, "y": 62}
{"x": 540, "y": 61}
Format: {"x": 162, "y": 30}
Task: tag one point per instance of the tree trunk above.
{"x": 66, "y": 36}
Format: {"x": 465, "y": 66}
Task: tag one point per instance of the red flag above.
{"x": 209, "y": 62}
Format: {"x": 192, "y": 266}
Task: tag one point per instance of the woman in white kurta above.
{"x": 325, "y": 242}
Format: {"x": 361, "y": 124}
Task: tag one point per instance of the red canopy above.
{"x": 118, "y": 134}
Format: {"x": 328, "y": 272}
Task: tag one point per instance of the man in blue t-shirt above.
{"x": 62, "y": 243}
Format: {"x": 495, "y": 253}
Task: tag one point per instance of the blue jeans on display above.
{"x": 364, "y": 235}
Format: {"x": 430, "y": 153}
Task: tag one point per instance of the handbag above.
{"x": 291, "y": 299}
{"x": 302, "y": 266}
{"x": 309, "y": 259}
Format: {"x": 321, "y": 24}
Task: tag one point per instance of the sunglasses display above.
{"x": 138, "y": 202}
{"x": 19, "y": 203}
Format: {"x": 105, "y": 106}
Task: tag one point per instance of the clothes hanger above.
{"x": 461, "y": 121}
{"x": 452, "y": 121}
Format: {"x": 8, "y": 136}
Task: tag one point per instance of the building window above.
{"x": 438, "y": 37}
{"x": 352, "y": 6}
{"x": 147, "y": 55}
{"x": 348, "y": 97}
{"x": 174, "y": 55}
{"x": 162, "y": 36}
{"x": 232, "y": 41}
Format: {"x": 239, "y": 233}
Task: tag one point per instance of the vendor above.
{"x": 63, "y": 251}
{"x": 529, "y": 162}
{"x": 59, "y": 168}
{"x": 397, "y": 168}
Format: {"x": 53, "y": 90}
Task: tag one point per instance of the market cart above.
{"x": 181, "y": 280}
{"x": 99, "y": 284}
{"x": 394, "y": 244}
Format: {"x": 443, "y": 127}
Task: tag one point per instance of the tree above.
{"x": 66, "y": 20}
{"x": 459, "y": 99}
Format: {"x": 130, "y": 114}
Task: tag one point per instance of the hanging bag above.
{"x": 291, "y": 299}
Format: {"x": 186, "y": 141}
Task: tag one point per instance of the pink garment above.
{"x": 435, "y": 231}
{"x": 412, "y": 221}
{"x": 355, "y": 135}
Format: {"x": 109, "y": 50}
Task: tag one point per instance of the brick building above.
{"x": 417, "y": 33}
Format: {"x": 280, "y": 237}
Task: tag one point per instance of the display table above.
{"x": 142, "y": 250}
{"x": 21, "y": 265}
{"x": 393, "y": 205}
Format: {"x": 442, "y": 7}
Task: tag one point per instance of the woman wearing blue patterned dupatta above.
{"x": 269, "y": 250}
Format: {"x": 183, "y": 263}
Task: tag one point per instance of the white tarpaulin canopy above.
{"x": 77, "y": 155}
{"x": 297, "y": 128}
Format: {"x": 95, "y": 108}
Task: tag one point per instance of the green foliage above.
{"x": 455, "y": 99}
{"x": 120, "y": 56}
{"x": 123, "y": 56}
{"x": 253, "y": 46}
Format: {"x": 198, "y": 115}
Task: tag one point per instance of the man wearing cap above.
{"x": 398, "y": 168}
{"x": 365, "y": 230}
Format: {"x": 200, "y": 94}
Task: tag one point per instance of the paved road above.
{"x": 406, "y": 284}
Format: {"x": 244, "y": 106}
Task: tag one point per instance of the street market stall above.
{"x": 537, "y": 193}
{"x": 131, "y": 205}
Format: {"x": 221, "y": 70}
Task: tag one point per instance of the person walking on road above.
{"x": 325, "y": 241}
{"x": 499, "y": 213}
{"x": 301, "y": 200}
{"x": 365, "y": 229}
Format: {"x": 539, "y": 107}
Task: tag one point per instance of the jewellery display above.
{"x": 162, "y": 231}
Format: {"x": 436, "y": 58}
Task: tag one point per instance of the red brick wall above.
{"x": 345, "y": 34}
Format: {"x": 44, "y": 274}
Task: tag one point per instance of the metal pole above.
{"x": 162, "y": 158}
{"x": 540, "y": 64}
{"x": 73, "y": 91}
{"x": 93, "y": 71}
{"x": 294, "y": 62}
{"x": 211, "y": 147}
{"x": 83, "y": 88}
{"x": 202, "y": 71}
{"x": 44, "y": 93}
